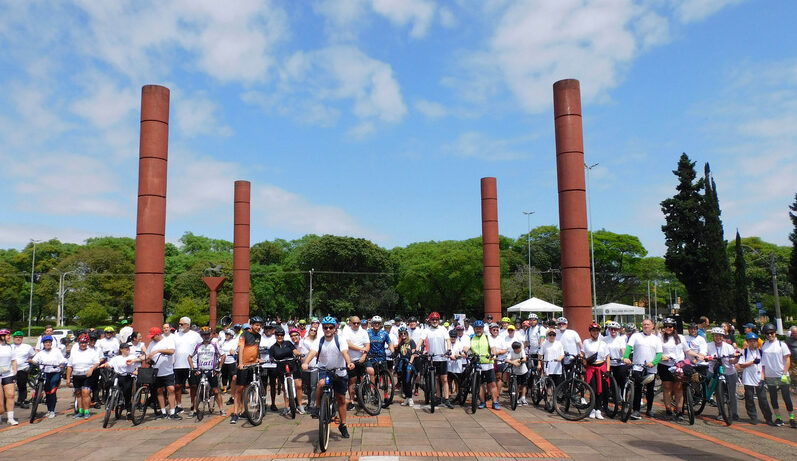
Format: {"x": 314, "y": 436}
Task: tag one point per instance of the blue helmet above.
{"x": 478, "y": 323}
{"x": 47, "y": 338}
{"x": 246, "y": 326}
{"x": 329, "y": 320}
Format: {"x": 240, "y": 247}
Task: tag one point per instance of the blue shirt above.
{"x": 378, "y": 341}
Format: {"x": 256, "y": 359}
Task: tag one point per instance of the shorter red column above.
{"x": 213, "y": 283}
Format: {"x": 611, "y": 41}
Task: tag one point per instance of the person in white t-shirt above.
{"x": 552, "y": 353}
{"x": 161, "y": 353}
{"x": 570, "y": 339}
{"x": 229, "y": 347}
{"x": 615, "y": 345}
{"x": 50, "y": 359}
{"x": 753, "y": 380}
{"x": 125, "y": 366}
{"x": 674, "y": 348}
{"x": 776, "y": 360}
{"x": 185, "y": 342}
{"x": 83, "y": 361}
{"x": 457, "y": 357}
{"x": 437, "y": 340}
{"x": 510, "y": 337}
{"x": 359, "y": 344}
{"x": 22, "y": 354}
{"x": 596, "y": 368}
{"x": 535, "y": 334}
{"x": 108, "y": 345}
{"x": 730, "y": 356}
{"x": 516, "y": 357}
{"x": 310, "y": 376}
{"x": 647, "y": 351}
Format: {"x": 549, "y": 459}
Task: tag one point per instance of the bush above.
{"x": 91, "y": 315}
{"x": 193, "y": 308}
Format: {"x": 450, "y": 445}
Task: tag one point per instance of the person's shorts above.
{"x": 270, "y": 375}
{"x": 441, "y": 367}
{"x": 488, "y": 376}
{"x": 359, "y": 368}
{"x": 522, "y": 379}
{"x": 339, "y": 383}
{"x": 181, "y": 376}
{"x": 213, "y": 379}
{"x": 244, "y": 376}
{"x": 664, "y": 373}
{"x": 164, "y": 381}
{"x": 8, "y": 380}
{"x": 93, "y": 380}
{"x": 80, "y": 382}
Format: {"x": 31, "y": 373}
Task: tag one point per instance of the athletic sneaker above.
{"x": 233, "y": 419}
{"x": 496, "y": 406}
{"x": 793, "y": 424}
{"x": 411, "y": 403}
{"x": 448, "y": 405}
{"x": 779, "y": 422}
{"x": 344, "y": 432}
{"x": 350, "y": 406}
{"x": 231, "y": 401}
{"x": 12, "y": 421}
{"x": 636, "y": 415}
{"x": 598, "y": 414}
{"x": 300, "y": 410}
{"x": 51, "y": 414}
{"x": 592, "y": 414}
{"x": 273, "y": 407}
{"x": 175, "y": 416}
{"x": 483, "y": 405}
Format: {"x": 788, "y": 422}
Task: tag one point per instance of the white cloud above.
{"x": 19, "y": 235}
{"x": 696, "y": 10}
{"x": 419, "y": 13}
{"x": 199, "y": 184}
{"x": 478, "y": 145}
{"x": 431, "y": 109}
{"x": 195, "y": 114}
{"x": 344, "y": 18}
{"x": 106, "y": 104}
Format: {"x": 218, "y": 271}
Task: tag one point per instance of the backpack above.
{"x": 321, "y": 343}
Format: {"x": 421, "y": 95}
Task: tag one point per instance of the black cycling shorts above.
{"x": 80, "y": 382}
{"x": 213, "y": 379}
{"x": 488, "y": 376}
{"x": 244, "y": 376}
{"x": 181, "y": 376}
{"x": 440, "y": 367}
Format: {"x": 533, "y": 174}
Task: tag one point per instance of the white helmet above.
{"x": 533, "y": 316}
{"x": 613, "y": 325}
{"x": 561, "y": 320}
{"x": 718, "y": 331}
{"x": 376, "y": 319}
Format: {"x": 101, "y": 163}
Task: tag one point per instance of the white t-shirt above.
{"x": 455, "y": 366}
{"x": 772, "y": 354}
{"x": 468, "y": 331}
{"x": 358, "y": 338}
{"x": 616, "y": 348}
{"x": 185, "y": 342}
{"x": 119, "y": 364}
{"x": 696, "y": 344}
{"x": 307, "y": 345}
{"x": 81, "y": 361}
{"x": 137, "y": 350}
{"x": 393, "y": 340}
{"x": 418, "y": 335}
{"x": 265, "y": 345}
{"x": 512, "y": 355}
{"x": 751, "y": 375}
{"x": 551, "y": 352}
{"x": 330, "y": 357}
{"x": 50, "y": 361}
{"x": 229, "y": 348}
{"x": 724, "y": 350}
{"x": 499, "y": 344}
{"x": 164, "y": 363}
{"x": 675, "y": 352}
{"x": 570, "y": 341}
{"x": 645, "y": 349}
{"x": 107, "y": 347}
{"x": 436, "y": 339}
{"x": 23, "y": 353}
{"x": 533, "y": 336}
{"x": 6, "y": 357}
{"x": 592, "y": 346}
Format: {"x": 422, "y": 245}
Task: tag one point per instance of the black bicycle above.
{"x": 384, "y": 381}
{"x": 143, "y": 397}
{"x": 369, "y": 395}
{"x": 288, "y": 384}
{"x": 115, "y": 403}
{"x": 328, "y": 406}
{"x": 574, "y": 398}
{"x": 38, "y": 395}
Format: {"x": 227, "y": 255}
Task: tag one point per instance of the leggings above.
{"x": 126, "y": 383}
{"x": 784, "y": 392}
{"x": 22, "y": 385}
{"x": 405, "y": 377}
{"x": 51, "y": 382}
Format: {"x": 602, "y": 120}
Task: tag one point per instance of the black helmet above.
{"x": 94, "y": 335}
{"x": 669, "y": 321}
{"x": 256, "y": 319}
{"x": 412, "y": 319}
{"x": 768, "y": 328}
{"x": 452, "y": 334}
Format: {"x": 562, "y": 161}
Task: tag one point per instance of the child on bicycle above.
{"x": 517, "y": 358}
{"x": 50, "y": 360}
{"x": 753, "y": 380}
{"x": 124, "y": 365}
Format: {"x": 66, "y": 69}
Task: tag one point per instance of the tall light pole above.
{"x": 591, "y": 245}
{"x": 60, "y": 317}
{"x": 528, "y": 241}
{"x": 32, "y": 267}
{"x": 311, "y": 292}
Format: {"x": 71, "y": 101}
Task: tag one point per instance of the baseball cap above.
{"x": 154, "y": 331}
{"x": 748, "y": 325}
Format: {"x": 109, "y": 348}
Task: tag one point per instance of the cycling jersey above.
{"x": 379, "y": 341}
{"x": 248, "y": 348}
{"x": 206, "y": 356}
{"x": 282, "y": 351}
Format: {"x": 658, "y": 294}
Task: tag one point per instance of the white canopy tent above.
{"x": 618, "y": 310}
{"x": 534, "y": 305}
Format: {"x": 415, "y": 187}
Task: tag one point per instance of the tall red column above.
{"x": 576, "y": 283}
{"x": 240, "y": 256}
{"x": 492, "y": 261}
{"x": 151, "y": 222}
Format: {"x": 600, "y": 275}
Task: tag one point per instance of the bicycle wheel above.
{"x": 37, "y": 397}
{"x": 290, "y": 391}
{"x": 120, "y": 400}
{"x": 724, "y": 403}
{"x": 253, "y": 405}
{"x": 535, "y": 389}
{"x": 369, "y": 397}
{"x": 431, "y": 384}
{"x": 574, "y": 399}
{"x": 614, "y": 400}
{"x": 689, "y": 406}
{"x": 627, "y": 399}
{"x": 453, "y": 388}
{"x": 474, "y": 390}
{"x": 139, "y": 405}
{"x": 548, "y": 390}
{"x": 698, "y": 391}
{"x": 104, "y": 379}
{"x": 33, "y": 378}
{"x": 513, "y": 392}
{"x": 324, "y": 419}
{"x": 110, "y": 407}
{"x": 388, "y": 390}
{"x": 200, "y": 402}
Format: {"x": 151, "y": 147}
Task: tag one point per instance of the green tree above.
{"x": 615, "y": 255}
{"x": 194, "y": 308}
{"x": 717, "y": 285}
{"x": 793, "y": 257}
{"x": 12, "y": 292}
{"x": 92, "y": 315}
{"x": 741, "y": 296}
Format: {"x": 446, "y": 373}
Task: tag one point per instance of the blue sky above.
{"x": 378, "y": 118}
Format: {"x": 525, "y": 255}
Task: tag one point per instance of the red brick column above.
{"x": 492, "y": 262}
{"x": 240, "y": 256}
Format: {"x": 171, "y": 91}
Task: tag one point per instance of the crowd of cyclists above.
{"x": 443, "y": 360}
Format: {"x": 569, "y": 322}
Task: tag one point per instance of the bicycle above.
{"x": 143, "y": 398}
{"x": 384, "y": 381}
{"x": 614, "y": 403}
{"x": 637, "y": 375}
{"x": 472, "y": 381}
{"x": 288, "y": 385}
{"x": 115, "y": 402}
{"x": 368, "y": 395}
{"x": 205, "y": 401}
{"x": 254, "y": 397}
{"x": 573, "y": 397}
{"x": 514, "y": 394}
{"x": 327, "y": 408}
{"x": 723, "y": 396}
{"x": 543, "y": 390}
{"x": 38, "y": 395}
{"x": 687, "y": 407}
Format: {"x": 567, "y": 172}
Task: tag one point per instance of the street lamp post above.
{"x": 60, "y": 317}
{"x": 311, "y": 292}
{"x": 32, "y": 267}
{"x": 591, "y": 245}
{"x": 528, "y": 242}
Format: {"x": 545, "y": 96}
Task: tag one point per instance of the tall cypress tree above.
{"x": 741, "y": 297}
{"x": 793, "y": 261}
{"x": 717, "y": 271}
{"x": 683, "y": 234}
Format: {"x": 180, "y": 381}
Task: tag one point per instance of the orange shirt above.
{"x": 249, "y": 348}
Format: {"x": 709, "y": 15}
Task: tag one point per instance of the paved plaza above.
{"x": 398, "y": 434}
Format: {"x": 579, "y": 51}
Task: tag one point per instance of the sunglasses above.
{"x": 552, "y": 334}
{"x": 329, "y": 327}
{"x": 313, "y": 329}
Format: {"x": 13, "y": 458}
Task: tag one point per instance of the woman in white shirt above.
{"x": 673, "y": 349}
{"x": 552, "y": 355}
{"x": 720, "y": 348}
{"x": 229, "y": 347}
{"x": 615, "y": 345}
{"x": 83, "y": 361}
{"x": 8, "y": 376}
{"x": 125, "y": 366}
{"x": 310, "y": 376}
{"x": 50, "y": 359}
{"x": 596, "y": 363}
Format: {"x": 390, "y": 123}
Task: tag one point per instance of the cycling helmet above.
{"x": 279, "y": 332}
{"x": 294, "y": 330}
{"x": 291, "y": 323}
{"x": 630, "y": 327}
{"x": 452, "y": 334}
{"x": 594, "y": 326}
{"x": 402, "y": 330}
{"x": 412, "y": 319}
{"x": 4, "y": 332}
{"x": 237, "y": 325}
{"x": 526, "y": 323}
{"x": 329, "y": 320}
{"x": 124, "y": 346}
{"x": 272, "y": 324}
{"x": 44, "y": 338}
{"x": 302, "y": 322}
{"x": 434, "y": 316}
{"x": 494, "y": 325}
{"x": 669, "y": 321}
{"x": 561, "y": 320}
{"x": 478, "y": 324}
{"x": 376, "y": 319}
{"x": 256, "y": 319}
{"x": 446, "y": 324}
{"x": 533, "y": 316}
{"x": 460, "y": 327}
{"x": 94, "y": 335}
{"x": 768, "y": 328}
{"x": 204, "y": 331}
{"x": 229, "y": 332}
{"x": 648, "y": 378}
{"x": 109, "y": 330}
{"x": 246, "y": 326}
{"x": 692, "y": 325}
{"x": 18, "y": 333}
{"x": 314, "y": 320}
{"x": 389, "y": 323}
{"x": 718, "y": 331}
{"x": 83, "y": 338}
{"x": 614, "y": 325}
{"x": 751, "y": 335}
{"x": 506, "y": 320}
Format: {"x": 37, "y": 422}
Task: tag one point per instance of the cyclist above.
{"x": 48, "y": 331}
{"x": 185, "y": 342}
{"x": 497, "y": 341}
{"x": 332, "y": 352}
{"x": 248, "y": 354}
{"x": 108, "y": 345}
{"x": 480, "y": 344}
{"x": 22, "y": 354}
{"x": 229, "y": 347}
{"x": 206, "y": 359}
{"x": 674, "y": 349}
{"x": 776, "y": 359}
{"x": 753, "y": 380}
{"x": 8, "y": 375}
{"x": 94, "y": 380}
{"x": 505, "y": 322}
{"x": 630, "y": 329}
{"x": 125, "y": 366}
{"x": 438, "y": 346}
{"x": 552, "y": 353}
{"x": 50, "y": 360}
{"x": 393, "y": 341}
{"x": 269, "y": 378}
{"x": 457, "y": 358}
{"x": 721, "y": 348}
{"x": 517, "y": 358}
{"x": 406, "y": 351}
{"x": 417, "y": 333}
{"x": 310, "y": 377}
{"x": 535, "y": 334}
{"x": 83, "y": 361}
{"x": 161, "y": 352}
{"x": 596, "y": 366}
{"x": 358, "y": 344}
{"x": 570, "y": 339}
{"x": 281, "y": 350}
{"x": 381, "y": 344}
{"x": 615, "y": 344}
{"x": 647, "y": 350}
